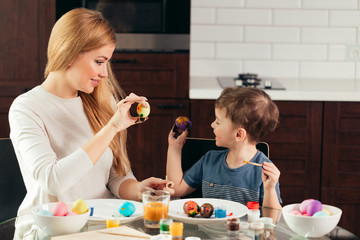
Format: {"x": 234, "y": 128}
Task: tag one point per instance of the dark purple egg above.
{"x": 206, "y": 210}
{"x": 183, "y": 123}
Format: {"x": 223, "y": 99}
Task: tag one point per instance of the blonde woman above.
{"x": 69, "y": 133}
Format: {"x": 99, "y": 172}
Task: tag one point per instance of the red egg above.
{"x": 191, "y": 208}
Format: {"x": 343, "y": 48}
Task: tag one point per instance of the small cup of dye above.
{"x": 220, "y": 212}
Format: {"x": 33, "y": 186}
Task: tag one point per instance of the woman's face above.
{"x": 88, "y": 68}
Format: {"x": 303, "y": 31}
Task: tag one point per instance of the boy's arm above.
{"x": 270, "y": 177}
{"x": 174, "y": 171}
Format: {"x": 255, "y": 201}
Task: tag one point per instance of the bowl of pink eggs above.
{"x": 59, "y": 218}
{"x": 311, "y": 218}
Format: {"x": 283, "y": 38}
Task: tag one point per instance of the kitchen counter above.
{"x": 296, "y": 90}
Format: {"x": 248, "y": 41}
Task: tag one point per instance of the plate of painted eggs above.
{"x": 122, "y": 210}
{"x": 205, "y": 210}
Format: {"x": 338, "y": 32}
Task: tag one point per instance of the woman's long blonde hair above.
{"x": 82, "y": 30}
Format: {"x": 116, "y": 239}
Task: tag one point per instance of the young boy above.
{"x": 243, "y": 117}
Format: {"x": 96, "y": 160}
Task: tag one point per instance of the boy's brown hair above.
{"x": 251, "y": 109}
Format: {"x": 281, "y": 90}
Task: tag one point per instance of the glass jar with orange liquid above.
{"x": 156, "y": 207}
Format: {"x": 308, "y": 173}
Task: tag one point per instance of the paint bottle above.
{"x": 253, "y": 213}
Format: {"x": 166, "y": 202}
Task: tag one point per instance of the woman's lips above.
{"x": 95, "y": 82}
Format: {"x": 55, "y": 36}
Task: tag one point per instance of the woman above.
{"x": 68, "y": 133}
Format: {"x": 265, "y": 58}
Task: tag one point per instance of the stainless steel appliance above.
{"x": 250, "y": 80}
{"x": 142, "y": 25}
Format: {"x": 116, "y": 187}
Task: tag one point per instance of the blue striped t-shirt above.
{"x": 217, "y": 180}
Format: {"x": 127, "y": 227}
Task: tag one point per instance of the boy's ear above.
{"x": 241, "y": 134}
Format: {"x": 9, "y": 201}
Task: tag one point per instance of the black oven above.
{"x": 142, "y": 25}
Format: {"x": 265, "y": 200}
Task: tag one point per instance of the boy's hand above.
{"x": 270, "y": 175}
{"x": 179, "y": 141}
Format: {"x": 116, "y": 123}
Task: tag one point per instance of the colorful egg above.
{"x": 80, "y": 207}
{"x": 206, "y": 210}
{"x": 127, "y": 209}
{"x": 304, "y": 205}
{"x": 327, "y": 211}
{"x": 183, "y": 123}
{"x": 142, "y": 111}
{"x": 321, "y": 214}
{"x": 45, "y": 212}
{"x": 61, "y": 209}
{"x": 191, "y": 208}
{"x": 313, "y": 207}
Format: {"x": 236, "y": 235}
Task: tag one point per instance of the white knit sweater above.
{"x": 47, "y": 133}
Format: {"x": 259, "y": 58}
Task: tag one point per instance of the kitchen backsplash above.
{"x": 316, "y": 39}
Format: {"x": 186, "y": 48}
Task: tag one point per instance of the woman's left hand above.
{"x": 155, "y": 183}
{"x": 270, "y": 175}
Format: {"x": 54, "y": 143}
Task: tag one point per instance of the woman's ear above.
{"x": 240, "y": 134}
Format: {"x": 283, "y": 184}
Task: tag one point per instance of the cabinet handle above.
{"x": 123, "y": 60}
{"x": 171, "y": 106}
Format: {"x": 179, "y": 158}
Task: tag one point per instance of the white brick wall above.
{"x": 276, "y": 38}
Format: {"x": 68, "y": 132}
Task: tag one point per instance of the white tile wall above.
{"x": 275, "y": 38}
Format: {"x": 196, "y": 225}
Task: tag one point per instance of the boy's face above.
{"x": 224, "y": 130}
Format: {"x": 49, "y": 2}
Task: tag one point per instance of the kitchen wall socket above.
{"x": 353, "y": 53}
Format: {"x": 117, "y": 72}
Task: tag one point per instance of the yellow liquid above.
{"x": 155, "y": 211}
{"x": 112, "y": 223}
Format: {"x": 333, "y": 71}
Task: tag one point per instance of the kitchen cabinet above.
{"x": 340, "y": 178}
{"x": 25, "y": 29}
{"x": 164, "y": 79}
{"x": 316, "y": 147}
{"x": 154, "y": 75}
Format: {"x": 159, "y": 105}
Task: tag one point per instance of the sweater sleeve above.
{"x": 34, "y": 151}
{"x": 115, "y": 181}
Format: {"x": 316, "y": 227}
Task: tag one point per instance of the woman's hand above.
{"x": 155, "y": 183}
{"x": 179, "y": 141}
{"x": 122, "y": 118}
{"x": 270, "y": 175}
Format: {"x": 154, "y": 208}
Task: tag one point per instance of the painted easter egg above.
{"x": 206, "y": 210}
{"x": 80, "y": 207}
{"x": 313, "y": 207}
{"x": 127, "y": 209}
{"x": 142, "y": 111}
{"x": 61, "y": 209}
{"x": 183, "y": 123}
{"x": 191, "y": 208}
{"x": 45, "y": 212}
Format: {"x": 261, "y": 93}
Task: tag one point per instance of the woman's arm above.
{"x": 121, "y": 120}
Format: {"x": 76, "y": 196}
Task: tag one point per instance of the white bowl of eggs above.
{"x": 61, "y": 218}
{"x": 311, "y": 218}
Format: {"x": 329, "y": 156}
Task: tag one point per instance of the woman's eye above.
{"x": 99, "y": 62}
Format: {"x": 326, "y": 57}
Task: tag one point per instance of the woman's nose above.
{"x": 103, "y": 72}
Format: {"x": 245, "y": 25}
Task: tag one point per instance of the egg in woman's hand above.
{"x": 142, "y": 111}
